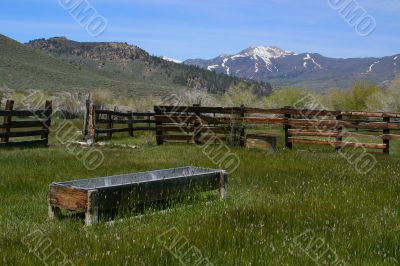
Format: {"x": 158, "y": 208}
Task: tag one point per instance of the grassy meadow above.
{"x": 273, "y": 199}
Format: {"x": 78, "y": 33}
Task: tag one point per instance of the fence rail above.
{"x": 98, "y": 121}
{"x": 129, "y": 122}
{"x": 195, "y": 124}
{"x": 28, "y": 123}
{"x": 340, "y": 129}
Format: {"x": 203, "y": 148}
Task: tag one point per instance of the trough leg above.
{"x": 54, "y": 212}
{"x": 92, "y": 211}
{"x": 223, "y": 179}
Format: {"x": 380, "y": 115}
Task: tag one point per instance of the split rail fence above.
{"x": 198, "y": 124}
{"x": 99, "y": 122}
{"x": 25, "y": 125}
{"x": 338, "y": 129}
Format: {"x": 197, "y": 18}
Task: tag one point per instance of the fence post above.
{"x": 242, "y": 129}
{"x": 86, "y": 119}
{"x": 46, "y": 126}
{"x": 95, "y": 118}
{"x": 7, "y": 120}
{"x": 197, "y": 127}
{"x": 339, "y": 129}
{"x": 109, "y": 126}
{"x": 149, "y": 118}
{"x": 159, "y": 131}
{"x": 386, "y": 139}
{"x": 130, "y": 124}
{"x": 90, "y": 136}
{"x": 288, "y": 144}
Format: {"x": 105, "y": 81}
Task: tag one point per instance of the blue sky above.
{"x": 185, "y": 29}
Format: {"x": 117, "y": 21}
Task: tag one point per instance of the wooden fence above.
{"x": 97, "y": 122}
{"x": 197, "y": 124}
{"x": 338, "y": 129}
{"x": 342, "y": 129}
{"x": 25, "y": 124}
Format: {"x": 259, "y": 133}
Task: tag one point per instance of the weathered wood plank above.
{"x": 114, "y": 121}
{"x": 159, "y": 133}
{"x": 316, "y": 113}
{"x": 113, "y": 130}
{"x": 338, "y": 143}
{"x": 390, "y": 137}
{"x": 24, "y": 124}
{"x": 24, "y": 133}
{"x": 371, "y": 114}
{"x": 123, "y": 114}
{"x": 130, "y": 124}
{"x": 202, "y": 139}
{"x": 184, "y": 119}
{"x": 178, "y": 137}
{"x": 175, "y": 119}
{"x": 287, "y": 127}
{"x": 332, "y": 133}
{"x": 109, "y": 112}
{"x": 141, "y": 114}
{"x": 7, "y": 120}
{"x": 46, "y": 126}
{"x": 288, "y": 111}
{"x": 92, "y": 208}
{"x": 345, "y": 124}
{"x": 386, "y": 132}
{"x": 24, "y": 113}
{"x": 127, "y": 121}
{"x": 281, "y": 111}
{"x": 25, "y": 144}
{"x": 68, "y": 198}
{"x": 184, "y": 128}
{"x": 197, "y": 109}
{"x": 144, "y": 121}
{"x": 144, "y": 129}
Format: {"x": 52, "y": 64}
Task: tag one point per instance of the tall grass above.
{"x": 273, "y": 198}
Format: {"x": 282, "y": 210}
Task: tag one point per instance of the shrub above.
{"x": 294, "y": 97}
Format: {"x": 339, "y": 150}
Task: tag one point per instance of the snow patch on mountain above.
{"x": 225, "y": 66}
{"x": 171, "y": 60}
{"x": 211, "y": 68}
{"x": 308, "y": 58}
{"x": 258, "y": 54}
{"x": 237, "y": 56}
{"x": 265, "y": 53}
{"x": 371, "y": 67}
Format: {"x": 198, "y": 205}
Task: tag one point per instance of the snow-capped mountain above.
{"x": 312, "y": 70}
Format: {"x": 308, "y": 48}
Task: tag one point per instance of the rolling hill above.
{"x": 58, "y": 64}
{"x": 126, "y": 69}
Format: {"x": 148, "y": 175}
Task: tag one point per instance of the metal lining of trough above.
{"x": 127, "y": 190}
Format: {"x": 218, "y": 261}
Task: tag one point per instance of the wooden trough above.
{"x": 90, "y": 196}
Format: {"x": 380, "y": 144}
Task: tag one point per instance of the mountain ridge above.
{"x": 59, "y": 64}
{"x": 312, "y": 70}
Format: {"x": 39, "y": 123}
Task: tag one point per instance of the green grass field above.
{"x": 273, "y": 199}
